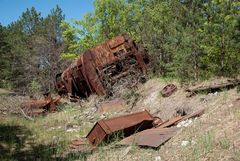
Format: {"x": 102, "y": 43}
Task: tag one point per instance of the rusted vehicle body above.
{"x": 98, "y": 68}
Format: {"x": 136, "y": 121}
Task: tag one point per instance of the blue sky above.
{"x": 11, "y": 10}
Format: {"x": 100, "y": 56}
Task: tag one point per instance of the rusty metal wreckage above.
{"x": 98, "y": 68}
{"x": 95, "y": 71}
{"x": 139, "y": 128}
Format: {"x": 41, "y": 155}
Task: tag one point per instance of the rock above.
{"x": 185, "y": 123}
{"x": 158, "y": 158}
{"x": 71, "y": 130}
{"x": 184, "y": 143}
{"x": 193, "y": 142}
{"x": 204, "y": 100}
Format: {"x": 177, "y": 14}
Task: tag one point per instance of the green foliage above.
{"x": 35, "y": 86}
{"x": 30, "y": 49}
{"x": 188, "y": 39}
{"x": 110, "y": 18}
{"x": 71, "y": 41}
{"x": 221, "y": 52}
{"x": 4, "y": 58}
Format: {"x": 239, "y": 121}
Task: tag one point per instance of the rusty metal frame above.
{"x": 88, "y": 73}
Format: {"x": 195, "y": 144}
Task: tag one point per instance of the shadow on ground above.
{"x": 17, "y": 143}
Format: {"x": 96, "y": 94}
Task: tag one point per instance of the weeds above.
{"x": 224, "y": 143}
{"x": 204, "y": 145}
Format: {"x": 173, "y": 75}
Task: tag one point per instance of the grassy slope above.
{"x": 214, "y": 136}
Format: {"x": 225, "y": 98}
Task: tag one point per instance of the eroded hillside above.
{"x": 213, "y": 136}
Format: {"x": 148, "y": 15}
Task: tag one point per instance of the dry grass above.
{"x": 214, "y": 136}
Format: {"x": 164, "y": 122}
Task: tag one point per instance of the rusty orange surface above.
{"x": 35, "y": 107}
{"x": 151, "y": 137}
{"x": 89, "y": 72}
{"x": 128, "y": 124}
{"x": 112, "y": 105}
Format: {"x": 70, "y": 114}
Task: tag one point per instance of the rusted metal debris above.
{"x": 127, "y": 125}
{"x": 213, "y": 88}
{"x": 34, "y": 107}
{"x": 82, "y": 145}
{"x": 151, "y": 137}
{"x": 175, "y": 120}
{"x": 170, "y": 122}
{"x": 168, "y": 90}
{"x": 116, "y": 104}
{"x": 155, "y": 137}
{"x": 194, "y": 114}
{"x": 138, "y": 128}
{"x": 97, "y": 69}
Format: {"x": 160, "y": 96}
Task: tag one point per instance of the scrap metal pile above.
{"x": 34, "y": 107}
{"x": 139, "y": 128}
{"x": 99, "y": 68}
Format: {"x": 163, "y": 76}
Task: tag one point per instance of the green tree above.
{"x": 4, "y": 58}
{"x": 35, "y": 44}
{"x": 48, "y": 45}
{"x": 221, "y": 52}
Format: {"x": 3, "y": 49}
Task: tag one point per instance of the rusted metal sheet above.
{"x": 170, "y": 122}
{"x": 101, "y": 66}
{"x": 113, "y": 105}
{"x": 194, "y": 114}
{"x": 82, "y": 145}
{"x": 155, "y": 137}
{"x": 139, "y": 128}
{"x": 152, "y": 137}
{"x": 35, "y": 107}
{"x": 177, "y": 119}
{"x": 127, "y": 124}
{"x": 168, "y": 90}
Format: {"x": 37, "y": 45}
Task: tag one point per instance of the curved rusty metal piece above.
{"x": 168, "y": 90}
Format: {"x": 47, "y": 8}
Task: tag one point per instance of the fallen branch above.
{"x": 27, "y": 117}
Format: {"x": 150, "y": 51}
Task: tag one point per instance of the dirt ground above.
{"x": 213, "y": 136}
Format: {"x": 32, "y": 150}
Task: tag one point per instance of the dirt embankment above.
{"x": 213, "y": 136}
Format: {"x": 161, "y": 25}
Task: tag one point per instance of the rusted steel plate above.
{"x": 194, "y": 114}
{"x": 127, "y": 124}
{"x": 170, "y": 122}
{"x": 177, "y": 119}
{"x": 152, "y": 137}
{"x": 116, "y": 42}
{"x": 100, "y": 65}
{"x": 113, "y": 105}
{"x": 168, "y": 90}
